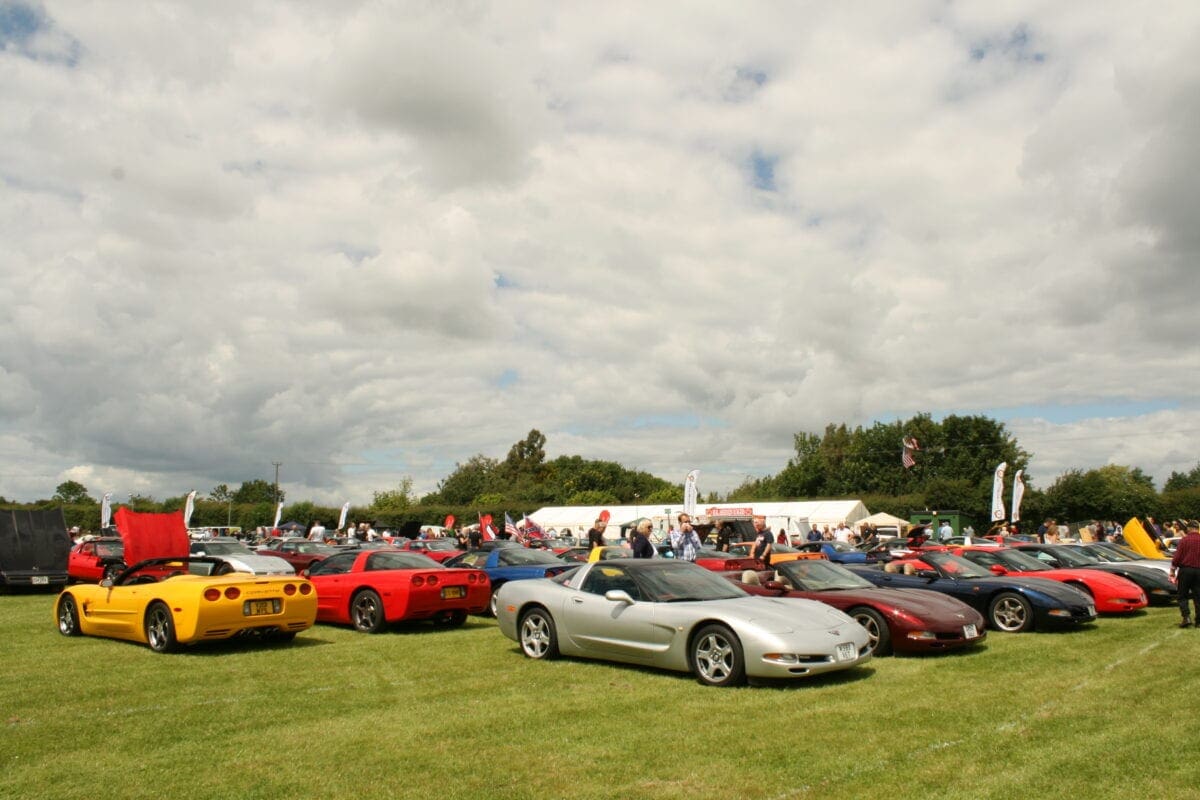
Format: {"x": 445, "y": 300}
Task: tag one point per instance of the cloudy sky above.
{"x": 369, "y": 240}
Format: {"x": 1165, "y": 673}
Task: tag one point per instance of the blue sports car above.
{"x": 504, "y": 564}
{"x": 1007, "y": 603}
{"x": 838, "y": 552}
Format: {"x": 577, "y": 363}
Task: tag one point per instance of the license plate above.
{"x": 257, "y": 608}
{"x": 40, "y": 580}
{"x": 846, "y": 652}
{"x": 453, "y": 592}
{"x": 969, "y": 632}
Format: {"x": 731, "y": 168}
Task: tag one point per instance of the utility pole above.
{"x": 277, "y": 464}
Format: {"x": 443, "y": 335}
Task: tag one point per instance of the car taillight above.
{"x": 212, "y": 594}
{"x": 289, "y": 589}
{"x": 233, "y": 593}
{"x": 432, "y": 579}
{"x": 418, "y": 580}
{"x": 306, "y": 588}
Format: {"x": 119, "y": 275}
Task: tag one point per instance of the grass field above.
{"x": 1112, "y": 711}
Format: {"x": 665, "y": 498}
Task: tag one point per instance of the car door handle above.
{"x": 576, "y": 599}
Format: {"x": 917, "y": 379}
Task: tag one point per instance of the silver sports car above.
{"x": 675, "y": 615}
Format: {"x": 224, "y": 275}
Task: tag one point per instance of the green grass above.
{"x": 1106, "y": 712}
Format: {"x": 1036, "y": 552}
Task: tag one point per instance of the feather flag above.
{"x": 105, "y": 510}
{"x": 998, "y": 492}
{"x": 278, "y": 514}
{"x": 1018, "y": 493}
{"x": 448, "y": 522}
{"x": 342, "y": 519}
{"x": 485, "y": 527}
{"x": 689, "y": 493}
{"x": 908, "y": 446}
{"x": 188, "y": 508}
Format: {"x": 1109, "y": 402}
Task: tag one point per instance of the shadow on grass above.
{"x": 845, "y": 676}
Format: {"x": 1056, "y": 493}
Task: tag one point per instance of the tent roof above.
{"x": 882, "y": 518}
{"x": 817, "y": 512}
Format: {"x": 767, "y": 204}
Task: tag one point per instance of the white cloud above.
{"x": 373, "y": 239}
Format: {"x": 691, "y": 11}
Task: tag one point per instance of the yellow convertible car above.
{"x": 164, "y": 603}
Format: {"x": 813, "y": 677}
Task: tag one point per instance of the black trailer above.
{"x": 34, "y": 547}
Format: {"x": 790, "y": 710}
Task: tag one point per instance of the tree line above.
{"x": 953, "y": 467}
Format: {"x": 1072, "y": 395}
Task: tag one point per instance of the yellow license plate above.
{"x": 453, "y": 592}
{"x": 256, "y": 608}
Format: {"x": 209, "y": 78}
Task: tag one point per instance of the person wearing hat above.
{"x": 1185, "y": 569}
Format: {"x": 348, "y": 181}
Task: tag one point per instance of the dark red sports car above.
{"x": 301, "y": 553}
{"x": 440, "y": 550}
{"x": 371, "y": 588}
{"x": 900, "y": 620}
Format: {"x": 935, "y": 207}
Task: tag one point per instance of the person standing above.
{"x": 685, "y": 543}
{"x": 317, "y": 532}
{"x": 762, "y": 541}
{"x": 595, "y": 534}
{"x": 1185, "y": 568}
{"x": 945, "y": 531}
{"x": 723, "y": 534}
{"x": 641, "y": 540}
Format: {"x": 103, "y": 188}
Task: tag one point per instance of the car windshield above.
{"x": 440, "y": 545}
{"x": 400, "y": 559}
{"x": 221, "y": 548}
{"x": 718, "y": 555}
{"x": 1072, "y": 557}
{"x": 841, "y": 547}
{"x": 678, "y": 581}
{"x": 510, "y": 556}
{"x": 953, "y": 566}
{"x": 1022, "y": 562}
{"x": 820, "y": 576}
{"x": 1110, "y": 555}
{"x": 110, "y": 549}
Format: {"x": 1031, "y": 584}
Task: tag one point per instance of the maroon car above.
{"x": 440, "y": 550}
{"x": 899, "y": 620}
{"x": 301, "y": 553}
{"x": 94, "y": 559}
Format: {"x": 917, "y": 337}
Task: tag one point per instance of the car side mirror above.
{"x": 107, "y": 583}
{"x": 998, "y": 569}
{"x": 618, "y": 596}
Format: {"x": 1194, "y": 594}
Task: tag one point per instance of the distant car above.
{"x": 1112, "y": 594}
{"x": 185, "y": 608}
{"x": 370, "y": 589}
{"x": 301, "y": 553}
{"x": 1116, "y": 554}
{"x": 900, "y": 620}
{"x": 236, "y": 556}
{"x": 674, "y": 615}
{"x": 779, "y": 552}
{"x": 93, "y": 560}
{"x": 839, "y": 552}
{"x": 1009, "y": 604}
{"x": 720, "y": 561}
{"x": 504, "y": 564}
{"x": 1159, "y": 588}
{"x": 440, "y": 550}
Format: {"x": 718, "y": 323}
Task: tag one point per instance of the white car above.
{"x": 240, "y": 558}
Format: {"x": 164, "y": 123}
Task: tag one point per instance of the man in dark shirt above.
{"x": 762, "y": 541}
{"x": 641, "y": 541}
{"x": 595, "y": 534}
{"x": 1185, "y": 568}
{"x": 724, "y": 529}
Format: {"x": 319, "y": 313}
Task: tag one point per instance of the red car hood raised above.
{"x": 151, "y": 535}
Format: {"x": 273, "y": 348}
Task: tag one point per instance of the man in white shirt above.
{"x": 317, "y": 534}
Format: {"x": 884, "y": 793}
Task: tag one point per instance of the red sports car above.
{"x": 899, "y": 620}
{"x": 301, "y": 553}
{"x": 371, "y": 588}
{"x": 93, "y": 560}
{"x": 1112, "y": 593}
{"x": 439, "y": 550}
{"x": 718, "y": 561}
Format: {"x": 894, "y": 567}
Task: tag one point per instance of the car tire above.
{"x": 366, "y": 612}
{"x": 160, "y": 628}
{"x": 68, "y": 616}
{"x": 538, "y": 635}
{"x": 877, "y": 629}
{"x": 716, "y": 657}
{"x": 1010, "y": 612}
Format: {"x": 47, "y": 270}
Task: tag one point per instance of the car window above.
{"x": 334, "y": 565}
{"x": 608, "y": 578}
{"x": 511, "y": 556}
{"x": 981, "y": 557}
{"x": 400, "y": 560}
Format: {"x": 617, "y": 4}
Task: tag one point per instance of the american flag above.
{"x": 906, "y": 454}
{"x": 510, "y": 527}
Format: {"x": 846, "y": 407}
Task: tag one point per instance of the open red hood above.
{"x": 151, "y": 535}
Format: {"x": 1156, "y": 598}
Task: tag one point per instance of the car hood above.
{"x": 259, "y": 564}
{"x": 922, "y": 602}
{"x": 151, "y": 535}
{"x": 1058, "y": 591}
{"x": 782, "y": 615}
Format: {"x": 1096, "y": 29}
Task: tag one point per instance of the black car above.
{"x": 1159, "y": 589}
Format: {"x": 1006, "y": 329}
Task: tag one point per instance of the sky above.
{"x": 370, "y": 240}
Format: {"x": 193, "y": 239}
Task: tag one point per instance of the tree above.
{"x": 71, "y": 493}
{"x": 465, "y": 483}
{"x": 1183, "y": 480}
{"x": 1110, "y": 492}
{"x": 398, "y": 499}
{"x": 256, "y": 491}
{"x": 221, "y": 493}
